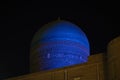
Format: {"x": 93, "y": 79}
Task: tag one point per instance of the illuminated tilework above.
{"x": 60, "y": 44}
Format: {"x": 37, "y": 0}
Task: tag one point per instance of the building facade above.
{"x": 102, "y": 66}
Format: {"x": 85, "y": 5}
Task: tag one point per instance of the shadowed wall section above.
{"x": 113, "y": 50}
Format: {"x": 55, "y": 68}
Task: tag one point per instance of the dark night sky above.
{"x": 18, "y": 26}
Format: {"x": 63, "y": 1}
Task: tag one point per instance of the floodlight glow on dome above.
{"x": 59, "y": 45}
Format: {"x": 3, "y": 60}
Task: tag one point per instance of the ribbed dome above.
{"x": 59, "y": 44}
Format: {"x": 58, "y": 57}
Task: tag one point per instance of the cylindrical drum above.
{"x": 113, "y": 52}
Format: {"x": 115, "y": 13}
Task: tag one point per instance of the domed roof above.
{"x": 60, "y": 38}
{"x": 61, "y": 30}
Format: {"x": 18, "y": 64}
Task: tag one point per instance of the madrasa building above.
{"x": 60, "y": 50}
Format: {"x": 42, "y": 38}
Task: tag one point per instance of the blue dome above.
{"x": 59, "y": 44}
